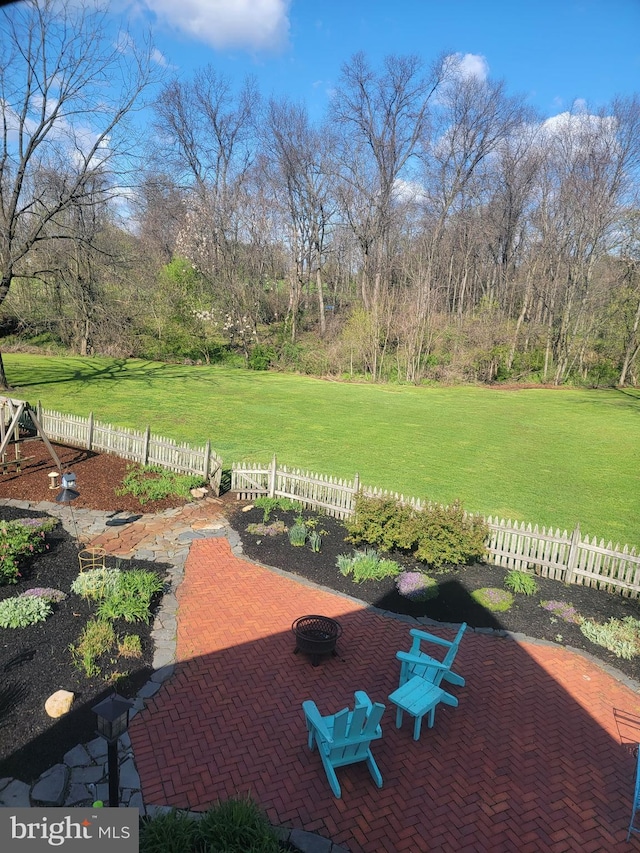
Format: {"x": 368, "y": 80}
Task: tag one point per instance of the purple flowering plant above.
{"x": 562, "y": 610}
{"x": 416, "y": 586}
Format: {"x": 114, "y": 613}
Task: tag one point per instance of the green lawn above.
{"x": 553, "y": 457}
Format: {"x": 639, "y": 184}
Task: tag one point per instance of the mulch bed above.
{"x": 98, "y": 475}
{"x": 36, "y": 661}
{"x": 454, "y": 603}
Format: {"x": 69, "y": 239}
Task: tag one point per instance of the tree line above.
{"x": 430, "y": 226}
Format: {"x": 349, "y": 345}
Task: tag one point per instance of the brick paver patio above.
{"x": 530, "y": 761}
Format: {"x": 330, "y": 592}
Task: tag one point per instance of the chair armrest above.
{"x": 314, "y": 718}
{"x": 421, "y": 659}
{"x": 362, "y": 700}
{"x": 423, "y": 635}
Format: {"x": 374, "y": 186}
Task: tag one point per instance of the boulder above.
{"x": 59, "y": 703}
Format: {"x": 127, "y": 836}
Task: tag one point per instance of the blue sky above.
{"x": 552, "y": 51}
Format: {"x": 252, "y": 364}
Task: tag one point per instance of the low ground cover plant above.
{"x": 620, "y": 636}
{"x": 231, "y": 826}
{"x": 497, "y": 600}
{"x": 437, "y": 535}
{"x": 23, "y": 610}
{"x": 275, "y": 528}
{"x": 154, "y": 483}
{"x": 562, "y": 610}
{"x": 21, "y": 539}
{"x": 417, "y": 586}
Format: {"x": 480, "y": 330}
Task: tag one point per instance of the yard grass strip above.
{"x": 552, "y": 457}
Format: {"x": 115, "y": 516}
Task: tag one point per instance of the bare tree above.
{"x": 300, "y": 158}
{"x": 66, "y": 93}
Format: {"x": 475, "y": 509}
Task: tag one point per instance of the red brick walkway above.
{"x": 530, "y": 761}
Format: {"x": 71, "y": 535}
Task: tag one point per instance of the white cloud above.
{"x": 159, "y": 58}
{"x": 469, "y": 65}
{"x": 248, "y": 24}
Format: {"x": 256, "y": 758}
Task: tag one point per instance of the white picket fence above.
{"x": 139, "y": 446}
{"x": 567, "y": 557}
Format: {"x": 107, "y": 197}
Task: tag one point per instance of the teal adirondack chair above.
{"x": 416, "y": 662}
{"x": 345, "y": 737}
{"x": 636, "y": 799}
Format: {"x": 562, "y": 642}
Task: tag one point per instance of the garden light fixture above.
{"x": 112, "y": 716}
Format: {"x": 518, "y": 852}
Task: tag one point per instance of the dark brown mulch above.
{"x": 36, "y": 661}
{"x": 454, "y": 603}
{"x": 98, "y": 475}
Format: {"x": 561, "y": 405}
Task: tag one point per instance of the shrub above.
{"x": 437, "y": 535}
{"x": 154, "y": 483}
{"x": 562, "y": 610}
{"x": 521, "y": 582}
{"x": 380, "y": 521}
{"x": 417, "y": 586}
{"x": 19, "y": 539}
{"x": 494, "y": 599}
{"x": 367, "y": 565}
{"x": 96, "y": 639}
{"x": 236, "y": 826}
{"x": 261, "y": 357}
{"x": 131, "y": 598}
{"x": 620, "y": 636}
{"x": 21, "y": 611}
{"x": 173, "y": 832}
{"x": 96, "y": 583}
{"x": 298, "y": 533}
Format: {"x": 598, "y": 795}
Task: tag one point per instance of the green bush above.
{"x": 131, "y": 598}
{"x": 23, "y": 610}
{"x": 231, "y": 826}
{"x": 96, "y": 639}
{"x": 494, "y": 599}
{"x": 21, "y": 539}
{"x": 367, "y": 565}
{"x": 380, "y": 521}
{"x": 261, "y": 357}
{"x": 154, "y": 483}
{"x": 620, "y": 636}
{"x": 96, "y": 584}
{"x": 521, "y": 582}
{"x": 236, "y": 826}
{"x": 437, "y": 535}
{"x": 298, "y": 533}
{"x": 269, "y": 505}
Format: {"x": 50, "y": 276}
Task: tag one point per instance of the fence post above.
{"x": 207, "y": 457}
{"x": 272, "y": 477}
{"x": 356, "y": 488}
{"x": 90, "y": 434}
{"x": 572, "y": 562}
{"x": 145, "y": 446}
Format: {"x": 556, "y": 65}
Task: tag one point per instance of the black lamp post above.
{"x": 112, "y": 720}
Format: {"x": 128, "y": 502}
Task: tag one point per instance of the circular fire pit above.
{"x": 316, "y": 636}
